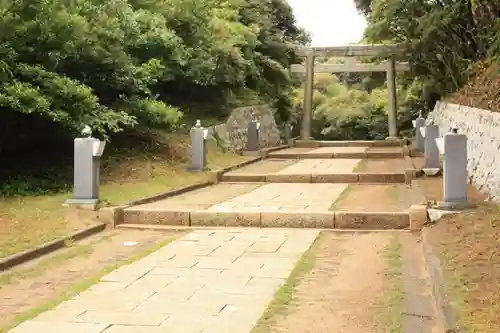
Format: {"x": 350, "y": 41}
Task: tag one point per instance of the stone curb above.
{"x": 445, "y": 313}
{"x": 299, "y": 219}
{"x": 366, "y": 143}
{"x": 264, "y": 151}
{"x": 346, "y": 155}
{"x": 364, "y": 178}
{"x": 46, "y": 248}
{"x": 167, "y": 194}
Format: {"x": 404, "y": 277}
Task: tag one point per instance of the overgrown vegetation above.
{"x": 123, "y": 64}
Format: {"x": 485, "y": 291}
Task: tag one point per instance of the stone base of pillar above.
{"x": 392, "y": 138}
{"x": 454, "y": 205}
{"x": 89, "y": 204}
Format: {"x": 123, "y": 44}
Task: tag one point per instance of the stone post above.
{"x": 420, "y": 141}
{"x": 453, "y": 146}
{"x": 393, "y": 107}
{"x": 253, "y": 142}
{"x": 87, "y": 161}
{"x": 199, "y": 136}
{"x": 308, "y": 97}
{"x": 431, "y": 151}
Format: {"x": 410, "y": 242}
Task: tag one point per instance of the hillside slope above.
{"x": 482, "y": 90}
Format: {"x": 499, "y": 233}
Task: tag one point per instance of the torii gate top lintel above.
{"x": 354, "y": 50}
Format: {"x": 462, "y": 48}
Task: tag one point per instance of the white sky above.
{"x": 330, "y": 22}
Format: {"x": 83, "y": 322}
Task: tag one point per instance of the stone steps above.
{"x": 338, "y": 155}
{"x": 347, "y": 178}
{"x": 374, "y": 143}
{"x": 288, "y": 219}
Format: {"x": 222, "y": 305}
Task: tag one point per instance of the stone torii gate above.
{"x": 390, "y": 66}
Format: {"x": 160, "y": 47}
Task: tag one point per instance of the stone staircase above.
{"x": 308, "y": 184}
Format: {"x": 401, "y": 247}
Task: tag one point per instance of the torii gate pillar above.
{"x": 307, "y": 117}
{"x": 392, "y": 112}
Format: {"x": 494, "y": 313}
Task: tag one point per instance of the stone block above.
{"x": 385, "y": 178}
{"x": 288, "y": 178}
{"x": 418, "y": 217}
{"x": 298, "y": 220}
{"x": 307, "y": 144}
{"x": 112, "y": 216}
{"x": 334, "y": 178}
{"x": 233, "y": 219}
{"x": 384, "y": 154}
{"x": 158, "y": 216}
{"x": 216, "y": 176}
{"x": 244, "y": 177}
{"x": 369, "y": 220}
{"x": 354, "y": 155}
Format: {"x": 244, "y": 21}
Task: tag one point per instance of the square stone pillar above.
{"x": 455, "y": 176}
{"x": 393, "y": 107}
{"x": 308, "y": 98}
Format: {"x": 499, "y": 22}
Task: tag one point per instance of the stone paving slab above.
{"x": 321, "y": 166}
{"x": 205, "y": 282}
{"x": 288, "y": 197}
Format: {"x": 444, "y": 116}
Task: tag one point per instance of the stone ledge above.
{"x": 230, "y": 219}
{"x": 347, "y": 178}
{"x": 286, "y": 219}
{"x": 341, "y": 155}
{"x": 288, "y": 178}
{"x": 157, "y": 216}
{"x": 360, "y": 143}
{"x": 298, "y": 220}
{"x": 372, "y": 220}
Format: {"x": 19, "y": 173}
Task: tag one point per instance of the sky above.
{"x": 331, "y": 22}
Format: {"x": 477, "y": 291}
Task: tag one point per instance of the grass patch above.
{"x": 81, "y": 286}
{"x": 393, "y": 297}
{"x": 161, "y": 166}
{"x": 360, "y": 167}
{"x": 73, "y": 251}
{"x": 285, "y": 295}
{"x": 337, "y": 204}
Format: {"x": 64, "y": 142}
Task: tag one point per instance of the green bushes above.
{"x": 120, "y": 64}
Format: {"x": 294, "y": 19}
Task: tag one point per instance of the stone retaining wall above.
{"x": 233, "y": 134}
{"x": 483, "y": 134}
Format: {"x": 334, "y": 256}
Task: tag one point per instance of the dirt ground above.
{"x": 467, "y": 245}
{"x": 342, "y": 292}
{"x": 376, "y": 198}
{"x": 33, "y": 286}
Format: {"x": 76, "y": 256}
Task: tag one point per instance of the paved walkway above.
{"x": 205, "y": 282}
{"x": 284, "y": 197}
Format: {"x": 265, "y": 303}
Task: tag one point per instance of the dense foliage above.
{"x": 120, "y": 64}
{"x": 444, "y": 39}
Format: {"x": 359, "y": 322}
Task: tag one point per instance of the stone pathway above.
{"x": 289, "y": 197}
{"x": 205, "y": 282}
{"x": 321, "y": 166}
